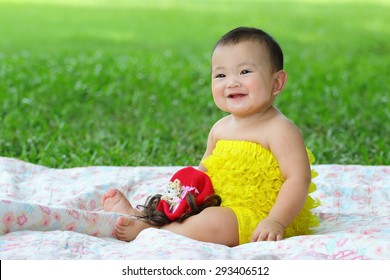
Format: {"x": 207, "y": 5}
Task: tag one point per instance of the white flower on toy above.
{"x": 175, "y": 193}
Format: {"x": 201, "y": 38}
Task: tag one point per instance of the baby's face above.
{"x": 242, "y": 78}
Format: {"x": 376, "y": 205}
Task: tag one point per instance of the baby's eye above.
{"x": 220, "y": 76}
{"x": 245, "y": 71}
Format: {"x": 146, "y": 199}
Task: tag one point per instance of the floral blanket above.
{"x": 51, "y": 213}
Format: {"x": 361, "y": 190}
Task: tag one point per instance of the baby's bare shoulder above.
{"x": 281, "y": 123}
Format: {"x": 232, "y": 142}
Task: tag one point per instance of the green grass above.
{"x": 127, "y": 82}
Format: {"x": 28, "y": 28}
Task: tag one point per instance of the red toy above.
{"x": 185, "y": 181}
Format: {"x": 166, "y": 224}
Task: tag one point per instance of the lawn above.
{"x": 128, "y": 82}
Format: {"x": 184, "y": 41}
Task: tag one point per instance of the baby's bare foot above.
{"x": 115, "y": 201}
{"x": 127, "y": 229}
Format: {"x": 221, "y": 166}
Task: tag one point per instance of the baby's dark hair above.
{"x": 154, "y": 217}
{"x": 251, "y": 34}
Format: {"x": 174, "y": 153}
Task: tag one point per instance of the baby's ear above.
{"x": 280, "y": 80}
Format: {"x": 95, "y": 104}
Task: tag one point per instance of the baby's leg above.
{"x": 214, "y": 224}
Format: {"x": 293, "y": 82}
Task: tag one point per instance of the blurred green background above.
{"x": 128, "y": 82}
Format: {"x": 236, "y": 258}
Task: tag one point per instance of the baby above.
{"x": 255, "y": 157}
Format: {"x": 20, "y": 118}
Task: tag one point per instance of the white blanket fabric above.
{"x": 51, "y": 213}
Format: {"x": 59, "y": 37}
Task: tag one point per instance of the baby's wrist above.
{"x": 276, "y": 222}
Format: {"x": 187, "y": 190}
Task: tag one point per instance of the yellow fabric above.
{"x": 247, "y": 178}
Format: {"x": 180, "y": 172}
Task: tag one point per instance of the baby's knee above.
{"x": 222, "y": 222}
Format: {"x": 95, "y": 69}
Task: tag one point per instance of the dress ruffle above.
{"x": 248, "y": 179}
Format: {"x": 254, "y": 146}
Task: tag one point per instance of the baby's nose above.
{"x": 233, "y": 83}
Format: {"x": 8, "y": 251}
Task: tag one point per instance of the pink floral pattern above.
{"x": 57, "y": 214}
{"x": 22, "y": 219}
{"x": 8, "y": 219}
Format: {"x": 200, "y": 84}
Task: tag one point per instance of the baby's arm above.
{"x": 288, "y": 147}
{"x": 209, "y": 149}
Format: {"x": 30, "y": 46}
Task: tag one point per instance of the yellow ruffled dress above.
{"x": 247, "y": 178}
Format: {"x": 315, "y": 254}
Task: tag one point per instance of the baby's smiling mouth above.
{"x": 236, "y": 95}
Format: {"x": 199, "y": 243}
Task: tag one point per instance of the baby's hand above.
{"x": 269, "y": 230}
